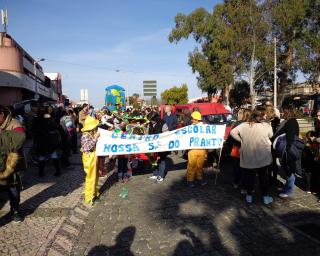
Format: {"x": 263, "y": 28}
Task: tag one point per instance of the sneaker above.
{"x": 159, "y": 179}
{"x": 153, "y": 177}
{"x": 249, "y": 199}
{"x": 267, "y": 200}
{"x": 17, "y": 217}
{"x": 190, "y": 184}
{"x": 308, "y": 192}
{"x": 243, "y": 192}
{"x": 202, "y": 182}
{"x": 283, "y": 195}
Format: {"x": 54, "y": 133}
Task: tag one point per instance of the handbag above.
{"x": 235, "y": 151}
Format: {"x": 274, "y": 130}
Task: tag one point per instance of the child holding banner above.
{"x": 196, "y": 159}
{"x": 89, "y": 159}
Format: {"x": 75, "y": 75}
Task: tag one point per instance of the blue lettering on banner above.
{"x": 174, "y": 144}
{"x": 114, "y": 135}
{"x": 121, "y": 148}
{"x": 151, "y": 146}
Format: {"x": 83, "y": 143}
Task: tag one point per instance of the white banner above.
{"x": 189, "y": 137}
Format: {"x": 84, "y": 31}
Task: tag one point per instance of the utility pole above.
{"x": 275, "y": 74}
{"x": 4, "y": 19}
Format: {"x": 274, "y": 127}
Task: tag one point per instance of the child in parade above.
{"x": 89, "y": 159}
{"x": 310, "y": 161}
{"x": 196, "y": 159}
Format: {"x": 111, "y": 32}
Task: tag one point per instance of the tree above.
{"x": 232, "y": 42}
{"x": 287, "y": 19}
{"x": 240, "y": 94}
{"x": 175, "y": 95}
{"x": 309, "y": 51}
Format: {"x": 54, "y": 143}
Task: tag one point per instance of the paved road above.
{"x": 170, "y": 219}
{"x": 156, "y": 219}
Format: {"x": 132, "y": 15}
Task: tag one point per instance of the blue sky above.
{"x": 101, "y": 36}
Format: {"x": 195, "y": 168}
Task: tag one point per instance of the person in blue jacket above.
{"x": 170, "y": 118}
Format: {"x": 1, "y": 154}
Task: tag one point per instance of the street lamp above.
{"x": 125, "y": 81}
{"x": 36, "y": 96}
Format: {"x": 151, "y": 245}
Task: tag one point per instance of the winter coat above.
{"x": 157, "y": 128}
{"x": 11, "y": 161}
{"x": 171, "y": 121}
{"x": 255, "y": 144}
{"x": 291, "y": 157}
{"x": 47, "y": 137}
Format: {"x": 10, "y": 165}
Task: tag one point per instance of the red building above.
{"x": 17, "y": 75}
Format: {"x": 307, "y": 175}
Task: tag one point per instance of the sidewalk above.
{"x": 48, "y": 204}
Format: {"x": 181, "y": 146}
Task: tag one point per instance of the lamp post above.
{"x": 127, "y": 86}
{"x": 275, "y": 74}
{"x": 36, "y": 96}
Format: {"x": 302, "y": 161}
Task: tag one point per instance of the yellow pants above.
{"x": 196, "y": 159}
{"x": 89, "y": 161}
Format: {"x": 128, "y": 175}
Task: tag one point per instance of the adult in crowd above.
{"x": 170, "y": 118}
{"x": 74, "y": 132}
{"x": 47, "y": 141}
{"x": 274, "y": 120}
{"x": 317, "y": 123}
{"x": 12, "y": 137}
{"x": 239, "y": 174}
{"x": 67, "y": 127}
{"x": 156, "y": 126}
{"x": 255, "y": 154}
{"x": 196, "y": 159}
{"x": 83, "y": 114}
{"x": 316, "y": 100}
{"x": 276, "y": 111}
{"x": 291, "y": 164}
{"x": 89, "y": 159}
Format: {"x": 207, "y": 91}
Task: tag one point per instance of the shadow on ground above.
{"x": 123, "y": 244}
{"x": 215, "y": 221}
{"x": 62, "y": 186}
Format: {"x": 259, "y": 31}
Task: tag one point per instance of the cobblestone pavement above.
{"x": 49, "y": 204}
{"x": 156, "y": 219}
{"x": 170, "y": 219}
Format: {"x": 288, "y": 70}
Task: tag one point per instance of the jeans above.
{"x": 237, "y": 171}
{"x": 289, "y": 186}
{"x": 161, "y": 170}
{"x": 14, "y": 196}
{"x": 263, "y": 180}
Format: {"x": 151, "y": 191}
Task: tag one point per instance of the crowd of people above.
{"x": 261, "y": 143}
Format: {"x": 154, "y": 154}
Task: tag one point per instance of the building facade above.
{"x": 17, "y": 75}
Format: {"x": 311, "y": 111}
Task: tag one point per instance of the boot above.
{"x": 267, "y": 200}
{"x": 249, "y": 199}
{"x": 41, "y": 168}
{"x": 56, "y": 164}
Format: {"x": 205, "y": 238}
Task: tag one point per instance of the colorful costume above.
{"x": 89, "y": 159}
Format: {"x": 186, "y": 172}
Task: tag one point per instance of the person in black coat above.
{"x": 157, "y": 126}
{"x": 290, "y": 127}
{"x": 47, "y": 140}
